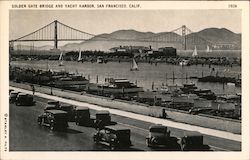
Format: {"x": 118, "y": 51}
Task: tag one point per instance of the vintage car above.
{"x": 54, "y": 119}
{"x": 23, "y": 99}
{"x": 10, "y": 90}
{"x": 159, "y": 137}
{"x": 103, "y": 118}
{"x": 82, "y": 116}
{"x": 193, "y": 141}
{"x": 70, "y": 109}
{"x": 52, "y": 105}
{"x": 115, "y": 136}
{"x": 13, "y": 96}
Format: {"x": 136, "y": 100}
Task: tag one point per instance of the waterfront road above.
{"x": 26, "y": 134}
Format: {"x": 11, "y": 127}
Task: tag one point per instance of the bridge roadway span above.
{"x": 215, "y": 134}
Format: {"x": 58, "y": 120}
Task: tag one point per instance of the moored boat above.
{"x": 116, "y": 88}
{"x": 188, "y": 87}
{"x": 99, "y": 59}
{"x": 205, "y": 93}
{"x": 184, "y": 62}
{"x": 72, "y": 82}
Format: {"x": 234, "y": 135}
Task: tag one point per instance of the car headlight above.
{"x": 154, "y": 140}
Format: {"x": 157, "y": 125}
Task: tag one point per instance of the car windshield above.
{"x": 60, "y": 117}
{"x": 82, "y": 112}
{"x": 66, "y": 108}
{"x": 195, "y": 140}
{"x": 13, "y": 94}
{"x": 22, "y": 96}
{"x": 123, "y": 135}
{"x": 50, "y": 107}
{"x": 101, "y": 116}
{"x": 158, "y": 130}
{"x": 53, "y": 103}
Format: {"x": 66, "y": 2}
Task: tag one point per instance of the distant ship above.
{"x": 61, "y": 60}
{"x": 195, "y": 54}
{"x": 134, "y": 66}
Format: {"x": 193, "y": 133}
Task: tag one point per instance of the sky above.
{"x": 97, "y": 22}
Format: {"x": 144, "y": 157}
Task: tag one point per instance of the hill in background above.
{"x": 132, "y": 37}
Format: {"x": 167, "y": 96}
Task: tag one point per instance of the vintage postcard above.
{"x": 124, "y": 80}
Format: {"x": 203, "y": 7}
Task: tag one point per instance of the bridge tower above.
{"x": 55, "y": 35}
{"x": 184, "y": 37}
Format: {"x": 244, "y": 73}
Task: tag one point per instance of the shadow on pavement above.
{"x": 72, "y": 131}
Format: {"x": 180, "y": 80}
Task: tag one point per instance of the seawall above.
{"x": 224, "y": 124}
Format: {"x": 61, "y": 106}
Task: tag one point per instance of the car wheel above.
{"x": 147, "y": 142}
{"x": 112, "y": 147}
{"x": 39, "y": 122}
{"x": 52, "y": 127}
{"x": 96, "y": 139}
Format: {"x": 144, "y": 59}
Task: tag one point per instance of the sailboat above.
{"x": 61, "y": 60}
{"x": 134, "y": 66}
{"x": 208, "y": 49}
{"x": 80, "y": 56}
{"x": 195, "y": 54}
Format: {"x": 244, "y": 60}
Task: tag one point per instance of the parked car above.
{"x": 82, "y": 116}
{"x": 70, "y": 109}
{"x": 24, "y": 100}
{"x": 10, "y": 90}
{"x": 115, "y": 136}
{"x": 54, "y": 119}
{"x": 13, "y": 96}
{"x": 193, "y": 141}
{"x": 52, "y": 105}
{"x": 159, "y": 137}
{"x": 103, "y": 118}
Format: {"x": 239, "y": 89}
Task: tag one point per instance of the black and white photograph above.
{"x": 123, "y": 78}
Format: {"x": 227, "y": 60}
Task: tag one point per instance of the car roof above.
{"x": 66, "y": 105}
{"x": 157, "y": 126}
{"x": 50, "y": 105}
{"x": 49, "y": 101}
{"x": 54, "y": 111}
{"x": 15, "y": 92}
{"x": 82, "y": 108}
{"x": 116, "y": 127}
{"x": 192, "y": 133}
{"x": 22, "y": 94}
{"x": 102, "y": 112}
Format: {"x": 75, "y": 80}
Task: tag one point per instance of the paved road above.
{"x": 25, "y": 134}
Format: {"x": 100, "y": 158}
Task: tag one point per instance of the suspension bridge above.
{"x": 57, "y": 31}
